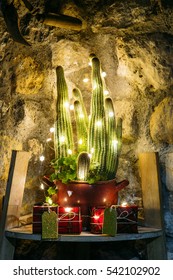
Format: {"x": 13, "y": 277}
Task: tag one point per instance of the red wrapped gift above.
{"x": 127, "y": 219}
{"x": 69, "y": 220}
{"x": 97, "y": 215}
{"x": 37, "y": 216}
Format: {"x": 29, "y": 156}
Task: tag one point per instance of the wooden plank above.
{"x": 13, "y": 198}
{"x": 151, "y": 192}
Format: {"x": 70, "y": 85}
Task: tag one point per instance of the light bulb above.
{"x": 69, "y": 151}
{"x": 42, "y": 158}
{"x": 103, "y": 74}
{"x": 67, "y": 209}
{"x": 52, "y": 129}
{"x": 85, "y": 80}
{"x": 80, "y": 141}
{"x": 99, "y": 123}
{"x": 66, "y": 104}
{"x": 106, "y": 92}
{"x": 111, "y": 114}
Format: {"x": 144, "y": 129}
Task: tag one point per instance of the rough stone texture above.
{"x": 161, "y": 125}
{"x": 134, "y": 42}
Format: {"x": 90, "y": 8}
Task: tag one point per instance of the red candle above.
{"x": 127, "y": 218}
{"x": 97, "y": 216}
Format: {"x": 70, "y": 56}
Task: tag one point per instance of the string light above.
{"x": 115, "y": 142}
{"x": 48, "y": 139}
{"x": 90, "y": 63}
{"x": 80, "y": 141}
{"x": 99, "y": 123}
{"x": 106, "y": 92}
{"x": 66, "y": 104}
{"x": 92, "y": 150}
{"x": 85, "y": 80}
{"x": 103, "y": 74}
{"x": 52, "y": 129}
{"x": 69, "y": 151}
{"x": 42, "y": 186}
{"x": 42, "y": 158}
{"x": 71, "y": 107}
{"x": 111, "y": 114}
{"x": 67, "y": 209}
{"x": 81, "y": 116}
{"x": 62, "y": 139}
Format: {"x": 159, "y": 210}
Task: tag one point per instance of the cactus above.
{"x": 81, "y": 127}
{"x": 101, "y": 136}
{"x": 97, "y": 132}
{"x": 83, "y": 165}
{"x": 111, "y": 156}
{"x": 63, "y": 139}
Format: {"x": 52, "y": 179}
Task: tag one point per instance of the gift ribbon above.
{"x": 63, "y": 217}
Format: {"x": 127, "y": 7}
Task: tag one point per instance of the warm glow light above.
{"x": 124, "y": 204}
{"x": 103, "y": 74}
{"x": 71, "y": 107}
{"x": 85, "y": 80}
{"x": 80, "y": 141}
{"x": 42, "y": 158}
{"x": 90, "y": 63}
{"x": 92, "y": 150}
{"x": 96, "y": 217}
{"x": 48, "y": 139}
{"x": 67, "y": 209}
{"x": 50, "y": 201}
{"x": 65, "y": 199}
{"x": 111, "y": 114}
{"x": 114, "y": 142}
{"x": 106, "y": 92}
{"x": 62, "y": 139}
{"x": 52, "y": 129}
{"x": 66, "y": 104}
{"x": 81, "y": 116}
{"x": 99, "y": 123}
{"x": 42, "y": 186}
{"x": 90, "y": 155}
{"x": 104, "y": 199}
{"x": 69, "y": 151}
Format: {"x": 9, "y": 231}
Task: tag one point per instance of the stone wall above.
{"x": 133, "y": 40}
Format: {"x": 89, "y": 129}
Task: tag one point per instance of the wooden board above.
{"x": 152, "y": 202}
{"x": 13, "y": 198}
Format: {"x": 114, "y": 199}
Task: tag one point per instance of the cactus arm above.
{"x": 97, "y": 133}
{"x": 63, "y": 139}
{"x": 111, "y": 156}
{"x": 83, "y": 164}
{"x": 82, "y": 132}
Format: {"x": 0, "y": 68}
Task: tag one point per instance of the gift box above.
{"x": 37, "y": 216}
{"x": 97, "y": 216}
{"x": 127, "y": 219}
{"x": 69, "y": 220}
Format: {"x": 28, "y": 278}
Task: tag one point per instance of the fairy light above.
{"x": 66, "y": 104}
{"x": 124, "y": 204}
{"x": 48, "y": 139}
{"x": 111, "y": 114}
{"x": 62, "y": 139}
{"x": 106, "y": 92}
{"x": 92, "y": 150}
{"x": 52, "y": 129}
{"x": 69, "y": 151}
{"x": 71, "y": 107}
{"x": 49, "y": 200}
{"x": 67, "y": 209}
{"x": 41, "y": 186}
{"x": 103, "y": 74}
{"x": 85, "y": 80}
{"x": 99, "y": 123}
{"x": 81, "y": 116}
{"x": 80, "y": 141}
{"x": 114, "y": 142}
{"x": 96, "y": 217}
{"x": 42, "y": 158}
{"x": 90, "y": 63}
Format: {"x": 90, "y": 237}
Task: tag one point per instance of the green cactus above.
{"x": 63, "y": 139}
{"x": 83, "y": 165}
{"x": 111, "y": 155}
{"x": 82, "y": 132}
{"x": 97, "y": 131}
{"x": 101, "y": 136}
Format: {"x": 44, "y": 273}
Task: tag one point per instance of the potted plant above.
{"x": 85, "y": 174}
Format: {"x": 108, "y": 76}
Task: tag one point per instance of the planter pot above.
{"x": 86, "y": 196}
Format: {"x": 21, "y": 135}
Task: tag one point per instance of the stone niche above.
{"x": 134, "y": 42}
